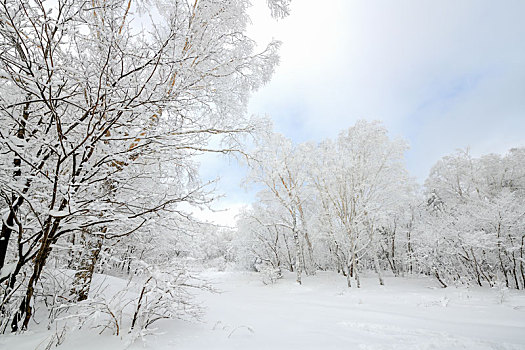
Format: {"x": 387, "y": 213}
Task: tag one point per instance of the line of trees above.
{"x": 103, "y": 106}
{"x": 348, "y": 205}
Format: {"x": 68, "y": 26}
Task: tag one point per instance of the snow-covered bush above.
{"x": 269, "y": 274}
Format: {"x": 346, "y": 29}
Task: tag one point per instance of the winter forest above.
{"x": 106, "y": 110}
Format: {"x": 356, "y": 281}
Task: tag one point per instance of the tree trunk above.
{"x": 378, "y": 270}
{"x": 393, "y": 250}
{"x": 17, "y": 201}
{"x": 26, "y": 311}
{"x": 521, "y": 263}
{"x": 410, "y": 253}
{"x": 49, "y": 237}
{"x": 309, "y": 245}
{"x": 86, "y": 267}
{"x": 354, "y": 267}
{"x": 298, "y": 269}
{"x": 476, "y": 268}
{"x": 348, "y": 277}
{"x": 503, "y": 269}
{"x": 439, "y": 278}
{"x": 5, "y": 235}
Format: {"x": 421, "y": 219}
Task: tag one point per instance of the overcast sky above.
{"x": 441, "y": 74}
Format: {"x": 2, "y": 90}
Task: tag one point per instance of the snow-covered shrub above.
{"x": 502, "y": 290}
{"x": 269, "y": 274}
{"x": 165, "y": 294}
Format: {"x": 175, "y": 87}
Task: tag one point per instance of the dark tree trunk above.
{"x": 17, "y": 201}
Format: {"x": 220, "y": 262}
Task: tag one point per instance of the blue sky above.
{"x": 441, "y": 74}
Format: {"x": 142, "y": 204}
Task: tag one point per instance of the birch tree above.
{"x": 336, "y": 200}
{"x": 280, "y": 167}
{"x": 359, "y": 178}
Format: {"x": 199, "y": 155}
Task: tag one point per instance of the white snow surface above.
{"x": 406, "y": 313}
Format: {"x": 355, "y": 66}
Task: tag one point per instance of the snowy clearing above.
{"x": 406, "y": 313}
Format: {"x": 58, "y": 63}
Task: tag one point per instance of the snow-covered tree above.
{"x": 104, "y": 103}
{"x": 280, "y": 167}
{"x": 471, "y": 228}
{"x": 360, "y": 179}
{"x": 341, "y": 201}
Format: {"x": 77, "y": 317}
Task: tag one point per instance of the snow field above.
{"x": 406, "y": 313}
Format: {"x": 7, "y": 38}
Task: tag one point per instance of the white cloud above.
{"x": 442, "y": 74}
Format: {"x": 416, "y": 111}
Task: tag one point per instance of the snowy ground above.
{"x": 406, "y": 313}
